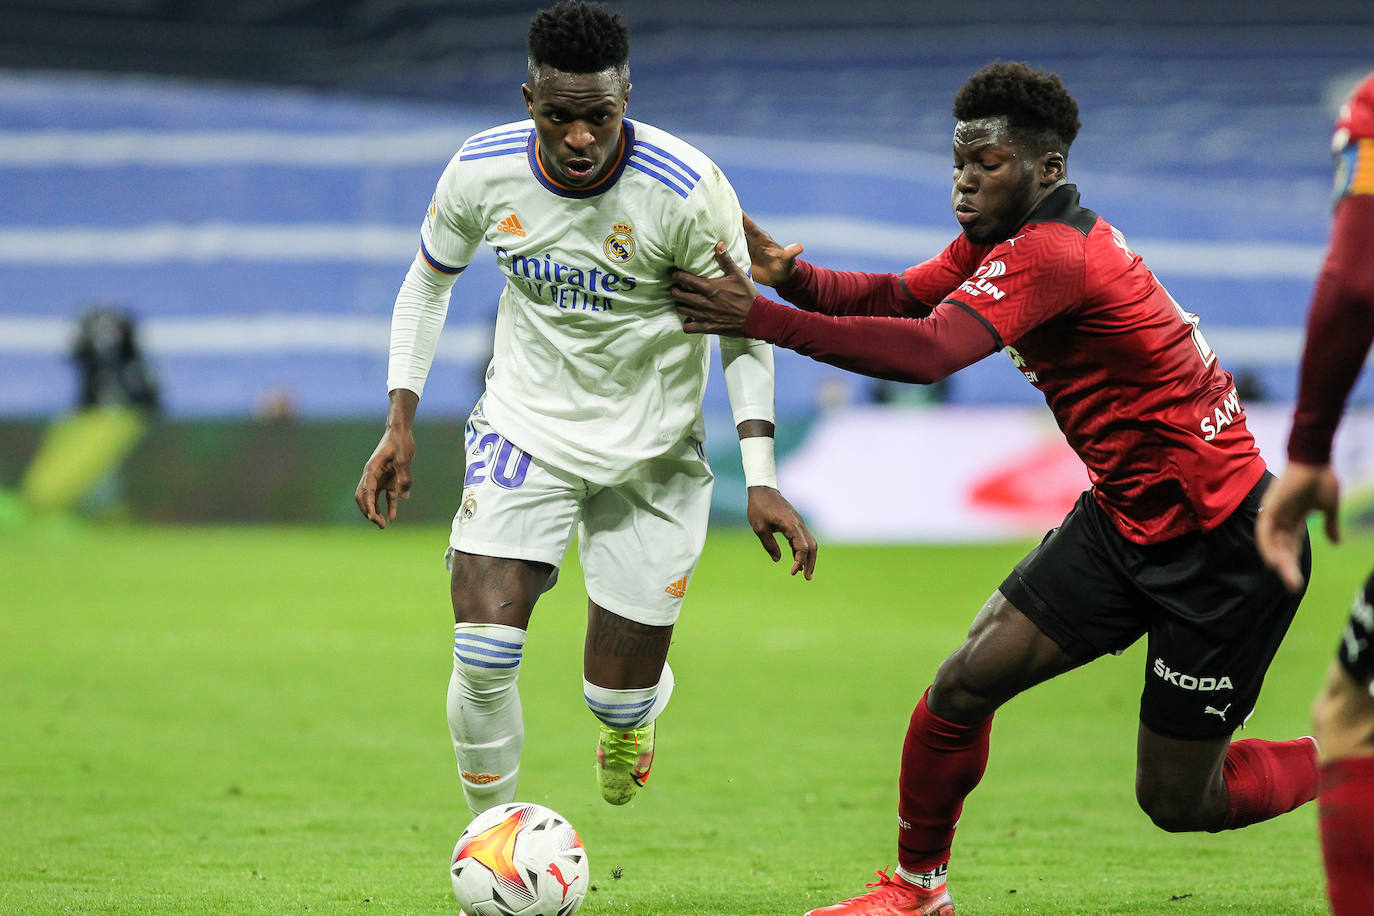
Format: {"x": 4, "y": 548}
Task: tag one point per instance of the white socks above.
{"x": 623, "y": 710}
{"x": 926, "y": 879}
{"x": 484, "y": 714}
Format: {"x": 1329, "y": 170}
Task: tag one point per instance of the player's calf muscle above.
{"x": 1343, "y": 717}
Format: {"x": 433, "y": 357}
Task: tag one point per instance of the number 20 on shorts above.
{"x": 498, "y": 459}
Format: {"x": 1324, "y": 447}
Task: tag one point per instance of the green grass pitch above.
{"x": 252, "y": 721}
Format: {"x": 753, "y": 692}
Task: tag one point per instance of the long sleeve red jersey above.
{"x": 1340, "y": 326}
{"x": 1128, "y": 375}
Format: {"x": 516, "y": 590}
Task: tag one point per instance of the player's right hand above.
{"x": 386, "y": 472}
{"x": 770, "y": 513}
{"x": 770, "y": 262}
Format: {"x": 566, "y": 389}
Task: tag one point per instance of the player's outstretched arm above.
{"x": 771, "y": 514}
{"x": 1302, "y": 489}
{"x": 388, "y": 470}
{"x": 770, "y": 262}
{"x": 714, "y": 306}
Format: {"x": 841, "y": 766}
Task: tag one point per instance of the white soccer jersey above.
{"x": 591, "y": 368}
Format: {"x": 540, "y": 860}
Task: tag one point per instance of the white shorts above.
{"x": 639, "y": 541}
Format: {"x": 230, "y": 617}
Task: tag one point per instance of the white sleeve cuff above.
{"x": 760, "y": 469}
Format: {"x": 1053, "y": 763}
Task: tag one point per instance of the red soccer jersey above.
{"x": 1130, "y": 379}
{"x": 1356, "y": 118}
{"x": 1340, "y": 325}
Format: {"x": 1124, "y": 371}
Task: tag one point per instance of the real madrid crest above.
{"x": 469, "y": 507}
{"x": 620, "y": 244}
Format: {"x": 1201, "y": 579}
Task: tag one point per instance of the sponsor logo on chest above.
{"x": 981, "y": 282}
{"x": 1019, "y": 362}
{"x": 591, "y": 286}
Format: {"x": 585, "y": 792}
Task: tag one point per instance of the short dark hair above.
{"x": 578, "y": 37}
{"x": 1038, "y": 109}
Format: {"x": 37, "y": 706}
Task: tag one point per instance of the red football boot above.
{"x": 893, "y": 896}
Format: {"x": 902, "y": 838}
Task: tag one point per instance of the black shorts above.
{"x": 1356, "y": 652}
{"x": 1214, "y": 613}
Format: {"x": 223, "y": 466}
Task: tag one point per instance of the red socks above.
{"x": 1267, "y": 778}
{"x": 941, "y": 764}
{"x": 943, "y": 761}
{"x": 1346, "y": 811}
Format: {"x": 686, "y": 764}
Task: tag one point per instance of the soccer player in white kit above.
{"x": 591, "y": 419}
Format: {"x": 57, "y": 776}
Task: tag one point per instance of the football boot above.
{"x": 893, "y": 896}
{"x": 623, "y": 760}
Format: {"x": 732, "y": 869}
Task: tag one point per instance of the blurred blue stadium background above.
{"x": 248, "y": 178}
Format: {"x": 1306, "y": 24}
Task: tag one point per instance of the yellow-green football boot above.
{"x": 623, "y": 761}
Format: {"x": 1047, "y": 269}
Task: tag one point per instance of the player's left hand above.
{"x": 769, "y": 514}
{"x": 718, "y": 306}
{"x": 1282, "y": 520}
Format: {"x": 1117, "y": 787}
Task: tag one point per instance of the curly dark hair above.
{"x": 1039, "y": 110}
{"x": 578, "y": 37}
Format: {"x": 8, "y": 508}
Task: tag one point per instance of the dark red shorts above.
{"x": 1213, "y": 612}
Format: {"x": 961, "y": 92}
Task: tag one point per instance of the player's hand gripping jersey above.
{"x": 1131, "y": 380}
{"x": 591, "y": 369}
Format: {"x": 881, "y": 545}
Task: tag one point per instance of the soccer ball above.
{"x": 519, "y": 860}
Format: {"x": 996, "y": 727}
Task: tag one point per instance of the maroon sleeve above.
{"x": 920, "y": 350}
{"x": 932, "y": 280}
{"x": 839, "y": 292}
{"x": 1340, "y": 328}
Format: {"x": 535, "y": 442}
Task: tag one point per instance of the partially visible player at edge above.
{"x": 1161, "y": 545}
{"x": 591, "y": 419}
{"x": 1340, "y": 329}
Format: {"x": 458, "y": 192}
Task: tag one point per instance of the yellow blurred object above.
{"x": 77, "y": 452}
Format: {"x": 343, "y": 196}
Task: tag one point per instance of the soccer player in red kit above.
{"x": 1161, "y": 546}
{"x": 1340, "y": 329}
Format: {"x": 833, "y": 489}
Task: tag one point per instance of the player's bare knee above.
{"x": 1174, "y": 810}
{"x": 1170, "y": 814}
{"x": 494, "y": 590}
{"x": 959, "y": 694}
{"x": 1004, "y": 654}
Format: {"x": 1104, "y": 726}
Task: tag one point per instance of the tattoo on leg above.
{"x": 496, "y": 577}
{"x": 483, "y": 577}
{"x": 621, "y": 638}
{"x": 490, "y": 587}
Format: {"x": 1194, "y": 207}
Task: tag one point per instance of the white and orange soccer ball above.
{"x": 519, "y": 859}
